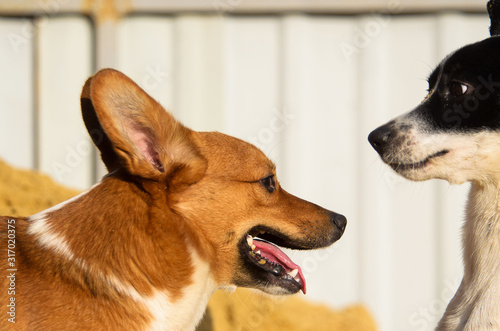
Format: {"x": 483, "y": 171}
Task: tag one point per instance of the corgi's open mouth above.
{"x": 261, "y": 252}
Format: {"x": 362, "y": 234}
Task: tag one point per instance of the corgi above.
{"x": 454, "y": 134}
{"x": 180, "y": 214}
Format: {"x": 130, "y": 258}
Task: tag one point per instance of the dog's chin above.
{"x": 420, "y": 170}
{"x": 414, "y": 174}
{"x": 423, "y": 175}
{"x": 265, "y": 267}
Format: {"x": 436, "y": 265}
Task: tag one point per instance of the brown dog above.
{"x": 180, "y": 214}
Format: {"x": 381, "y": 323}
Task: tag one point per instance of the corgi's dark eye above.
{"x": 268, "y": 183}
{"x": 458, "y": 89}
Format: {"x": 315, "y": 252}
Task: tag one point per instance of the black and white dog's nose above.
{"x": 379, "y": 138}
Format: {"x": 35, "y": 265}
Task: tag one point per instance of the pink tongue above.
{"x": 274, "y": 254}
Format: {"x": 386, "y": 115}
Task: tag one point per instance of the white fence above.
{"x": 307, "y": 89}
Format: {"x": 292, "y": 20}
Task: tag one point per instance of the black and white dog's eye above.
{"x": 458, "y": 89}
{"x": 269, "y": 183}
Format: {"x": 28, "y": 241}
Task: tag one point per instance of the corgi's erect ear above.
{"x": 138, "y": 134}
{"x": 493, "y": 7}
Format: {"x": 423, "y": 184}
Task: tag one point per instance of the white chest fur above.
{"x": 185, "y": 313}
{"x": 476, "y": 305}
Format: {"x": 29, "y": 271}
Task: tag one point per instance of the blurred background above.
{"x": 304, "y": 80}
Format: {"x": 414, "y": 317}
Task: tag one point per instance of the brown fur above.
{"x": 169, "y": 189}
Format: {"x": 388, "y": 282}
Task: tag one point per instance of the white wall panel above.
{"x": 320, "y": 142}
{"x": 64, "y": 48}
{"x": 200, "y": 62}
{"x": 145, "y": 54}
{"x": 16, "y": 92}
{"x": 376, "y": 182}
{"x": 251, "y": 80}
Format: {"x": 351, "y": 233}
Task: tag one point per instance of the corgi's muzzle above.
{"x": 270, "y": 267}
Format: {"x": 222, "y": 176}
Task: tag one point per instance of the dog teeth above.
{"x": 250, "y": 242}
{"x": 277, "y": 270}
{"x": 262, "y": 261}
{"x": 258, "y": 252}
{"x": 293, "y": 273}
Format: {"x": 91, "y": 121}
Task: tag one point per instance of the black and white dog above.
{"x": 454, "y": 134}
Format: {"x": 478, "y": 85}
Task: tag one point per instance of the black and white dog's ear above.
{"x": 493, "y": 7}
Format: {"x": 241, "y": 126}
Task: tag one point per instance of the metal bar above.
{"x": 36, "y": 100}
{"x": 307, "y": 6}
{"x": 43, "y": 8}
{"x": 51, "y": 7}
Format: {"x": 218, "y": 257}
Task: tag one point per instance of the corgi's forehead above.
{"x": 231, "y": 157}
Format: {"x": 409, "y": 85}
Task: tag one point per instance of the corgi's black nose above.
{"x": 379, "y": 138}
{"x": 340, "y": 221}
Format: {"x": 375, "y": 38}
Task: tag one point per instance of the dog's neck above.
{"x": 474, "y": 303}
{"x": 133, "y": 259}
{"x": 481, "y": 234}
